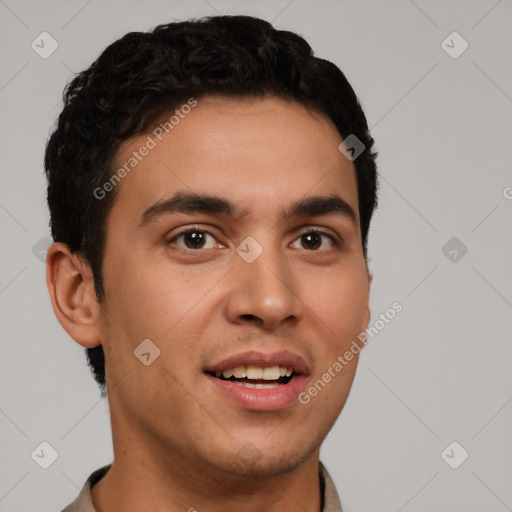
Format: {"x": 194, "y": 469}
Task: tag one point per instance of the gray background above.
{"x": 439, "y": 372}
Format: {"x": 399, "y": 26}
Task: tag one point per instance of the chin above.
{"x": 251, "y": 462}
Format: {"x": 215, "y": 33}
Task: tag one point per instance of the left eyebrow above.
{"x": 316, "y": 206}
{"x": 313, "y": 206}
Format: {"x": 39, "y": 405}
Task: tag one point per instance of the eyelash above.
{"x": 308, "y": 231}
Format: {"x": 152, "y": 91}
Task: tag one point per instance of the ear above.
{"x": 367, "y": 312}
{"x": 71, "y": 286}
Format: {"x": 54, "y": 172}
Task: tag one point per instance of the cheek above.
{"x": 157, "y": 299}
{"x": 159, "y": 303}
{"x": 340, "y": 302}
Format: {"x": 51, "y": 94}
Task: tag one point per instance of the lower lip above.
{"x": 270, "y": 399}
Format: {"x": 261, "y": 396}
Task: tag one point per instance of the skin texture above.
{"x": 178, "y": 442}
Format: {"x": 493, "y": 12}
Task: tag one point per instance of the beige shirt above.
{"x": 83, "y": 502}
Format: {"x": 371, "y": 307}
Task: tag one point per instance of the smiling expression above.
{"x": 235, "y": 247}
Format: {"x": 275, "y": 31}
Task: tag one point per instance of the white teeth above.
{"x": 226, "y": 374}
{"x": 254, "y": 372}
{"x": 271, "y": 373}
{"x": 239, "y": 372}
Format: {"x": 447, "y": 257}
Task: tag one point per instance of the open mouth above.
{"x": 256, "y": 377}
{"x": 258, "y": 381}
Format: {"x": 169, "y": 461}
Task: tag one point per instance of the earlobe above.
{"x": 71, "y": 286}
{"x": 370, "y": 274}
{"x": 367, "y": 312}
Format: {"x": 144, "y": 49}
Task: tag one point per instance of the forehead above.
{"x": 260, "y": 152}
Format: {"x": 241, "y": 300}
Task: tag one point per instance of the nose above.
{"x": 263, "y": 292}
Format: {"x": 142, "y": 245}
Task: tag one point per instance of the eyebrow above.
{"x": 313, "y": 206}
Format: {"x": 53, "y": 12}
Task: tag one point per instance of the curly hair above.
{"x": 144, "y": 75}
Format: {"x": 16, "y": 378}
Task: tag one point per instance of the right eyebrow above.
{"x": 187, "y": 202}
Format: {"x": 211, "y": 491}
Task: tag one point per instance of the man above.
{"x": 211, "y": 186}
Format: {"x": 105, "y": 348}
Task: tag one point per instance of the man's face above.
{"x": 213, "y": 300}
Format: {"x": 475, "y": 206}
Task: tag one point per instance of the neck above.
{"x": 137, "y": 482}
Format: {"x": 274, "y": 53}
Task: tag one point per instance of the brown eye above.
{"x": 194, "y": 239}
{"x": 313, "y": 240}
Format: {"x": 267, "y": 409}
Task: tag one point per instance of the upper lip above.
{"x": 282, "y": 358}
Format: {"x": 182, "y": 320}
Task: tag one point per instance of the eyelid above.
{"x": 333, "y": 236}
{"x": 336, "y": 239}
{"x": 170, "y": 237}
{"x": 187, "y": 229}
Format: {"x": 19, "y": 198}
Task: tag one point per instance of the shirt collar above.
{"x": 83, "y": 502}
